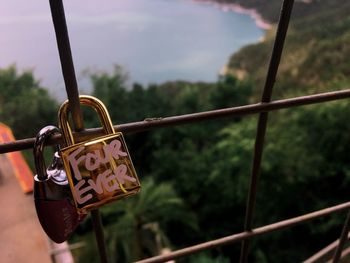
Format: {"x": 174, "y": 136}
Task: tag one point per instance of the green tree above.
{"x": 111, "y": 89}
{"x": 137, "y": 227}
{"x": 24, "y": 105}
{"x": 210, "y": 165}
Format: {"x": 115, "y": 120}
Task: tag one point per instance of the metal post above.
{"x": 281, "y": 33}
{"x": 63, "y": 44}
{"x": 342, "y": 240}
{"x": 60, "y": 25}
{"x": 99, "y": 235}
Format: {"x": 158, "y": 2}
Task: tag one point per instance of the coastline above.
{"x": 237, "y": 8}
{"x": 260, "y": 22}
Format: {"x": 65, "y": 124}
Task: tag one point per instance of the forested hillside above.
{"x": 315, "y": 54}
{"x": 195, "y": 177}
{"x": 206, "y": 167}
{"x": 270, "y": 8}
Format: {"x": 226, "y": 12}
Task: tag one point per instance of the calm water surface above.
{"x": 153, "y": 40}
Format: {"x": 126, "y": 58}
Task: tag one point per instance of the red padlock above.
{"x": 53, "y": 199}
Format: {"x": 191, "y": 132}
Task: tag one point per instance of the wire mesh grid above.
{"x": 334, "y": 250}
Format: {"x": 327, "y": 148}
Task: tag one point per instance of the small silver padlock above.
{"x": 53, "y": 199}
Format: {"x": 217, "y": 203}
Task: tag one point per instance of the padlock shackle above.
{"x": 38, "y": 150}
{"x": 86, "y": 100}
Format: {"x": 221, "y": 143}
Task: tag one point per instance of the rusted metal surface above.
{"x": 275, "y": 59}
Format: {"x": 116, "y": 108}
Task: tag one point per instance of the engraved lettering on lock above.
{"x": 79, "y": 191}
{"x": 93, "y": 160}
{"x": 74, "y": 162}
{"x": 110, "y": 184}
{"x": 108, "y": 180}
{"x": 100, "y": 182}
{"x": 67, "y": 219}
{"x": 114, "y": 149}
{"x": 120, "y": 173}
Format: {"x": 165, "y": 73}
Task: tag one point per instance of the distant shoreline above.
{"x": 237, "y": 8}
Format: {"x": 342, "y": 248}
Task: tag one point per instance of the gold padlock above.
{"x": 99, "y": 170}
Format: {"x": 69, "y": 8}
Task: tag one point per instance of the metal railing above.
{"x": 263, "y": 108}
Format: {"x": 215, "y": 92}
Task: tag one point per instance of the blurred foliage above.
{"x": 207, "y": 258}
{"x": 24, "y": 105}
{"x": 208, "y": 165}
{"x": 315, "y": 54}
{"x": 135, "y": 226}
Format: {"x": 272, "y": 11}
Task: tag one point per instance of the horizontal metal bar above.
{"x": 154, "y": 123}
{"x": 324, "y": 254}
{"x": 345, "y": 254}
{"x": 247, "y": 234}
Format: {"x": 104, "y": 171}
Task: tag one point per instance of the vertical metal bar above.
{"x": 60, "y": 25}
{"x": 281, "y": 33}
{"x": 343, "y": 238}
{"x": 99, "y": 235}
{"x": 276, "y": 55}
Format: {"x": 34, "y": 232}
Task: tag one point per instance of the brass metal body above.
{"x": 99, "y": 170}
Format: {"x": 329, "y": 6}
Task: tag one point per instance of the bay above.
{"x": 153, "y": 40}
